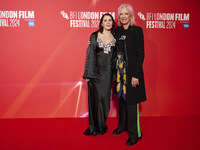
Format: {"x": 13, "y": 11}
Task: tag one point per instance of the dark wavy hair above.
{"x": 101, "y": 27}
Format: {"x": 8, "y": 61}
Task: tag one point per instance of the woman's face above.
{"x": 107, "y": 22}
{"x": 125, "y": 16}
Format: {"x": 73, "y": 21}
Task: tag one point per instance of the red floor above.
{"x": 159, "y": 133}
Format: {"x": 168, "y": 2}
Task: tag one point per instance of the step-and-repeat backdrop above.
{"x": 43, "y": 48}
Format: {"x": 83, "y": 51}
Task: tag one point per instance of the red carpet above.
{"x": 159, "y": 133}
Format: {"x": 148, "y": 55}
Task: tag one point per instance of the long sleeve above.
{"x": 139, "y": 52}
{"x": 90, "y": 63}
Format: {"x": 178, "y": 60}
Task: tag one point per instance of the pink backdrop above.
{"x": 42, "y": 66}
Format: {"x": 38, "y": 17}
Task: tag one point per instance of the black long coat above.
{"x": 134, "y": 53}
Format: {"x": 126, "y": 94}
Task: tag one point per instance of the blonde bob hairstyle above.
{"x": 130, "y": 9}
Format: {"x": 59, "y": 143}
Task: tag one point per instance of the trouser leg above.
{"x": 122, "y": 115}
{"x": 133, "y": 124}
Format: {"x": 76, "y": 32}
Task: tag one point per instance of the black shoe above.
{"x": 117, "y": 131}
{"x": 131, "y": 141}
{"x": 88, "y": 132}
{"x": 94, "y": 133}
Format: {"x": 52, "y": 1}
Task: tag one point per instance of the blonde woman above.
{"x": 130, "y": 79}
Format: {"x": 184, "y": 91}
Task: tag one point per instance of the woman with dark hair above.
{"x": 98, "y": 74}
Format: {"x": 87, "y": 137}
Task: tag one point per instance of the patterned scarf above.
{"x": 121, "y": 76}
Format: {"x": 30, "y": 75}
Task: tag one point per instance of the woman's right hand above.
{"x": 87, "y": 80}
{"x": 88, "y": 42}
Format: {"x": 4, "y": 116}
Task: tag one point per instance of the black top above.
{"x": 99, "y": 56}
{"x": 121, "y": 41}
{"x": 134, "y": 54}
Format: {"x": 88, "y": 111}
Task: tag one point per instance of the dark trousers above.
{"x": 129, "y": 119}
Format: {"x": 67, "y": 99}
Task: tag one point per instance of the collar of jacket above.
{"x": 130, "y": 27}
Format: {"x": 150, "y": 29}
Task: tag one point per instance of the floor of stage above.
{"x": 159, "y": 133}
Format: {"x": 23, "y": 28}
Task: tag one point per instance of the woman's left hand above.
{"x": 134, "y": 82}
